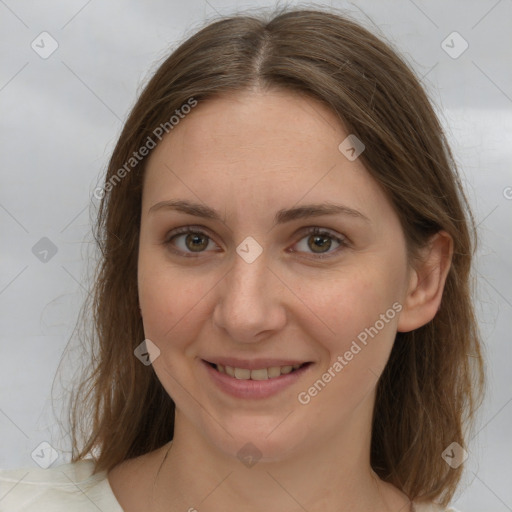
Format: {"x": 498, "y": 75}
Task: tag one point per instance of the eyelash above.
{"x": 342, "y": 241}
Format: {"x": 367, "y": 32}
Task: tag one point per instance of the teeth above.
{"x": 274, "y": 371}
{"x": 259, "y": 374}
{"x": 242, "y": 373}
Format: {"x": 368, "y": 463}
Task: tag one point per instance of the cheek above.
{"x": 174, "y": 301}
{"x": 171, "y": 305}
{"x": 357, "y": 308}
{"x": 363, "y": 313}
{"x": 168, "y": 304}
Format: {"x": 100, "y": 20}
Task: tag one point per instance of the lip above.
{"x": 253, "y": 389}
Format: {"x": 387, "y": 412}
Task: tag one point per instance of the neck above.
{"x": 332, "y": 476}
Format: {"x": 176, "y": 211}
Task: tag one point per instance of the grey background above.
{"x": 60, "y": 118}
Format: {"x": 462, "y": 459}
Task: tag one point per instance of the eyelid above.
{"x": 341, "y": 239}
{"x": 186, "y": 230}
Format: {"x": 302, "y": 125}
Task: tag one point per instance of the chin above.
{"x": 261, "y": 440}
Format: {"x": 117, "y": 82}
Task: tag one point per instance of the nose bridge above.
{"x": 248, "y": 302}
{"x": 248, "y": 278}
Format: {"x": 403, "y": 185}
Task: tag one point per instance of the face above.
{"x": 244, "y": 270}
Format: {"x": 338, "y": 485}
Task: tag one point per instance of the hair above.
{"x": 433, "y": 382}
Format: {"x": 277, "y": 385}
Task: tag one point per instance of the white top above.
{"x": 72, "y": 487}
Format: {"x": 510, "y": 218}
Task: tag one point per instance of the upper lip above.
{"x": 253, "y": 364}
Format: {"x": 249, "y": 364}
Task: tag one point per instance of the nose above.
{"x": 250, "y": 301}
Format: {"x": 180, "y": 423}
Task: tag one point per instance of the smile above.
{"x": 258, "y": 374}
{"x": 258, "y": 382}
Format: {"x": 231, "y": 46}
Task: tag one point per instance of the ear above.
{"x": 426, "y": 283}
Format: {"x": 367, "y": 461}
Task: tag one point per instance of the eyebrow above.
{"x": 281, "y": 217}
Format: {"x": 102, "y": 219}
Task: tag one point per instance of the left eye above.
{"x": 319, "y": 242}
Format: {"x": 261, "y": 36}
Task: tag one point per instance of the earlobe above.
{"x": 427, "y": 283}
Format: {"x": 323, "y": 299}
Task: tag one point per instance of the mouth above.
{"x": 258, "y": 382}
{"x": 268, "y": 373}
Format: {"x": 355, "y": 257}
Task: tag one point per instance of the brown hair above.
{"x": 434, "y": 379}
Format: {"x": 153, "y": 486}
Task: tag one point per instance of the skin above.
{"x": 247, "y": 156}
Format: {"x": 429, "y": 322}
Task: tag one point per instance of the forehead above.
{"x": 254, "y": 130}
{"x": 272, "y": 147}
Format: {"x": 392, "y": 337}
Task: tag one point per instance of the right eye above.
{"x": 188, "y": 240}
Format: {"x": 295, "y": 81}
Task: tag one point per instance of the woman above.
{"x": 283, "y": 318}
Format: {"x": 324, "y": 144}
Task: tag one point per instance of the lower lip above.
{"x": 253, "y": 388}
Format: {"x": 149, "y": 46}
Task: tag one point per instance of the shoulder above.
{"x": 432, "y": 507}
{"x": 62, "y": 488}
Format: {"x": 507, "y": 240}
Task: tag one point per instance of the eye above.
{"x": 189, "y": 240}
{"x": 319, "y": 242}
